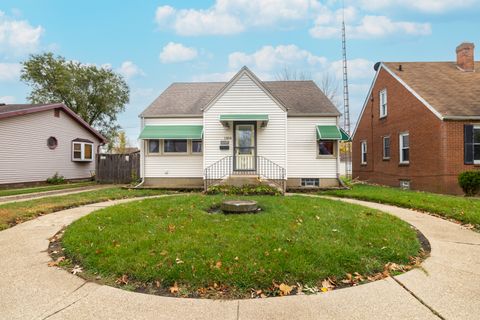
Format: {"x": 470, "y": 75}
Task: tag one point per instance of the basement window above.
{"x": 82, "y": 150}
{"x": 310, "y": 182}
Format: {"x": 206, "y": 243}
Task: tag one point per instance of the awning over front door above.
{"x": 226, "y": 118}
{"x": 331, "y": 133}
{"x": 174, "y": 132}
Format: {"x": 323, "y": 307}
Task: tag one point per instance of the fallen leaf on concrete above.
{"x": 56, "y": 262}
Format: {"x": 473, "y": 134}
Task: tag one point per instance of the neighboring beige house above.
{"x": 200, "y": 134}
{"x": 36, "y": 141}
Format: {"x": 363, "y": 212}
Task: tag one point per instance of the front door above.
{"x": 244, "y": 150}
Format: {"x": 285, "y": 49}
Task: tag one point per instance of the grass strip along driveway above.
{"x": 462, "y": 209}
{"x": 14, "y": 192}
{"x": 175, "y": 245}
{"x": 17, "y": 212}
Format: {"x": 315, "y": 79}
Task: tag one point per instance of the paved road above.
{"x": 446, "y": 288}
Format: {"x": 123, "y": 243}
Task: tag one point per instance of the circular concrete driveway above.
{"x": 447, "y": 287}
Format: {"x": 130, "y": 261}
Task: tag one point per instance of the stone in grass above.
{"x": 239, "y": 206}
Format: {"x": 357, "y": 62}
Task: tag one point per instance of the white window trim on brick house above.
{"x": 401, "y": 147}
{"x": 383, "y": 103}
{"x": 363, "y": 151}
{"x": 475, "y": 127}
{"x": 389, "y": 148}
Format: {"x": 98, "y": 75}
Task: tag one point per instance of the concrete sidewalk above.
{"x": 448, "y": 287}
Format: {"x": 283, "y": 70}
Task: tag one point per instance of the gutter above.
{"x": 142, "y": 158}
{"x": 461, "y": 118}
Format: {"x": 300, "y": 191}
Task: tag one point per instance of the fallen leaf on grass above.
{"x": 285, "y": 289}
{"x": 123, "y": 280}
{"x": 56, "y": 262}
{"x": 174, "y": 289}
{"x": 77, "y": 269}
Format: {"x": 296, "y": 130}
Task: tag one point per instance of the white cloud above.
{"x": 10, "y": 71}
{"x": 234, "y": 16}
{"x": 129, "y": 70}
{"x": 268, "y": 58}
{"x": 429, "y": 6}
{"x": 177, "y": 52}
{"x": 18, "y": 36}
{"x": 7, "y": 99}
{"x": 357, "y": 69}
{"x": 328, "y": 25}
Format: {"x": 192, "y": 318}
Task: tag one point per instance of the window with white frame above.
{"x": 383, "y": 103}
{"x": 386, "y": 147}
{"x": 476, "y": 144}
{"x": 175, "y": 146}
{"x": 404, "y": 143}
{"x": 196, "y": 146}
{"x": 82, "y": 151}
{"x": 310, "y": 182}
{"x": 363, "y": 147}
{"x": 154, "y": 146}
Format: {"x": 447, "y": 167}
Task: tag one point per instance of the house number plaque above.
{"x": 224, "y": 145}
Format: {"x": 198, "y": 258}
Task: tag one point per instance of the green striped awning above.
{"x": 331, "y": 133}
{"x": 172, "y": 132}
{"x": 244, "y": 117}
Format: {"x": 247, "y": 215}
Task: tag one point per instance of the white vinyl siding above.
{"x": 303, "y": 161}
{"x": 172, "y": 165}
{"x": 245, "y": 97}
{"x": 25, "y": 155}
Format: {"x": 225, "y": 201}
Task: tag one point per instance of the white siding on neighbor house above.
{"x": 173, "y": 166}
{"x": 302, "y": 149}
{"x": 25, "y": 156}
{"x": 245, "y": 97}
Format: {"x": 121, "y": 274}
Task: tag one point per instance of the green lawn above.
{"x": 19, "y": 191}
{"x": 295, "y": 239}
{"x": 13, "y": 213}
{"x": 465, "y": 210}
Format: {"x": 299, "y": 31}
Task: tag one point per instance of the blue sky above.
{"x": 155, "y": 43}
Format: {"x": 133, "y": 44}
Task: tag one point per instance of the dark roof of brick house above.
{"x": 449, "y": 90}
{"x": 15, "y": 110}
{"x": 188, "y": 99}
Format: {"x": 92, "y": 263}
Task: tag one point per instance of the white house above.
{"x": 39, "y": 140}
{"x": 243, "y": 131}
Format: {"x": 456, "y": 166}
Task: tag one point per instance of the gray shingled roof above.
{"x": 188, "y": 99}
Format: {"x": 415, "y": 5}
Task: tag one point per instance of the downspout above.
{"x": 142, "y": 157}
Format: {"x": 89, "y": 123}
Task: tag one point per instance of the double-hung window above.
{"x": 472, "y": 144}
{"x": 383, "y": 103}
{"x": 363, "y": 147}
{"x": 386, "y": 148}
{"x": 404, "y": 143}
{"x": 82, "y": 150}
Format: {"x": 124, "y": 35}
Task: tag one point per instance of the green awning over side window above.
{"x": 172, "y": 132}
{"x": 244, "y": 117}
{"x": 331, "y": 133}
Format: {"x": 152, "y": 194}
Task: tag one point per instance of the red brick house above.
{"x": 420, "y": 124}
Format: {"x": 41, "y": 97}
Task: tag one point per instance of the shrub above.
{"x": 56, "y": 179}
{"x": 469, "y": 181}
{"x": 245, "y": 190}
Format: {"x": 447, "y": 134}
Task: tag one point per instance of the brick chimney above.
{"x": 465, "y": 59}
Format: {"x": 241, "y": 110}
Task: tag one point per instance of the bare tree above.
{"x": 328, "y": 83}
{"x": 287, "y": 74}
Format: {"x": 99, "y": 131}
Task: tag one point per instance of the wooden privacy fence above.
{"x": 117, "y": 168}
